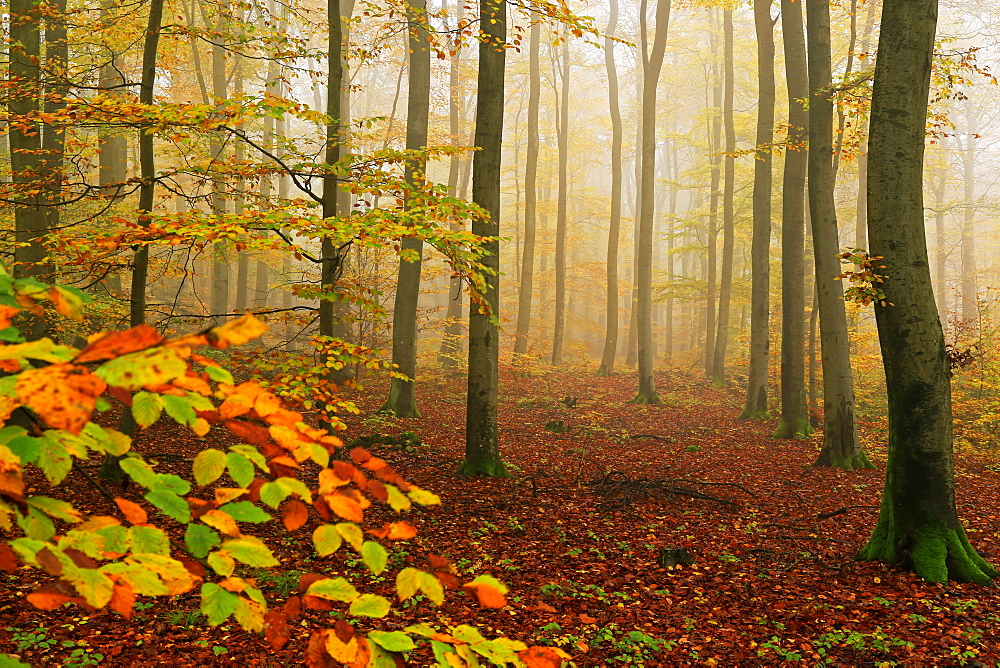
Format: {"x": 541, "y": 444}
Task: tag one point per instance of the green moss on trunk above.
{"x": 487, "y": 466}
{"x": 647, "y": 399}
{"x": 793, "y": 428}
{"x": 402, "y": 401}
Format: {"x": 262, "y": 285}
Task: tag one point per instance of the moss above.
{"x": 790, "y": 428}
{"x": 647, "y": 399}
{"x": 486, "y": 466}
{"x": 748, "y": 414}
{"x": 402, "y": 400}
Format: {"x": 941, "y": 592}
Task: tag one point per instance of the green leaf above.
{"x": 250, "y": 550}
{"x": 61, "y": 510}
{"x": 217, "y": 603}
{"x": 219, "y": 375}
{"x": 141, "y": 578}
{"x": 170, "y": 504}
{"x": 411, "y": 580}
{"x": 116, "y": 538}
{"x": 296, "y": 487}
{"x": 221, "y": 563}
{"x": 326, "y": 539}
{"x": 271, "y": 494}
{"x": 115, "y": 442}
{"x": 146, "y": 408}
{"x": 201, "y": 540}
{"x": 240, "y": 468}
{"x": 93, "y": 585}
{"x": 333, "y": 589}
{"x": 370, "y": 605}
{"x": 352, "y": 533}
{"x": 26, "y": 448}
{"x": 375, "y": 556}
{"x": 208, "y": 466}
{"x": 392, "y": 641}
{"x": 179, "y": 409}
{"x": 53, "y": 459}
{"x": 149, "y": 539}
{"x": 251, "y": 453}
{"x": 172, "y": 483}
{"x": 244, "y": 511}
{"x": 36, "y": 525}
{"x": 397, "y": 500}
{"x": 140, "y": 471}
{"x": 6, "y": 660}
{"x": 153, "y": 366}
{"x": 87, "y": 542}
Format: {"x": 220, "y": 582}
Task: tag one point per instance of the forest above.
{"x": 502, "y": 332}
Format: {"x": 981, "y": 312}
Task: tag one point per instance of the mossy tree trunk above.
{"x": 918, "y": 523}
{"x": 482, "y": 443}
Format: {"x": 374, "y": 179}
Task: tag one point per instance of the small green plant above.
{"x": 36, "y": 639}
{"x": 882, "y": 601}
{"x": 184, "y": 618}
{"x": 693, "y": 448}
{"x": 280, "y": 584}
{"x": 774, "y": 646}
{"x": 726, "y": 557}
{"x": 84, "y": 657}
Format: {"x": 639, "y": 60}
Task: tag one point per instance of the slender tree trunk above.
{"x": 402, "y": 393}
{"x": 525, "y": 289}
{"x": 482, "y": 445}
{"x": 652, "y": 63}
{"x": 607, "y": 367}
{"x": 562, "y": 132}
{"x": 631, "y": 351}
{"x": 728, "y": 215}
{"x": 970, "y": 299}
{"x": 219, "y": 302}
{"x": 239, "y": 204}
{"x": 714, "y": 146}
{"x": 262, "y": 271}
{"x": 861, "y": 225}
{"x": 669, "y": 232}
{"x": 794, "y": 421}
{"x": 918, "y": 522}
{"x": 54, "y": 87}
{"x": 760, "y": 255}
{"x": 841, "y": 447}
{"x": 941, "y": 249}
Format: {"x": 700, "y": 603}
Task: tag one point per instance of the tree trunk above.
{"x": 607, "y": 367}
{"x": 841, "y": 447}
{"x": 482, "y": 446}
{"x": 219, "y": 302}
{"x": 755, "y": 407}
{"x": 525, "y": 289}
{"x": 652, "y": 62}
{"x": 941, "y": 249}
{"x": 728, "y": 215}
{"x": 970, "y": 298}
{"x": 918, "y": 523}
{"x": 239, "y": 204}
{"x": 562, "y": 131}
{"x": 402, "y": 393}
{"x": 714, "y": 144}
{"x": 794, "y": 421}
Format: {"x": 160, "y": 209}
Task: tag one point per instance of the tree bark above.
{"x": 562, "y": 131}
{"x": 714, "y": 144}
{"x": 841, "y": 447}
{"x": 918, "y": 523}
{"x": 728, "y": 215}
{"x": 970, "y": 298}
{"x": 219, "y": 302}
{"x": 525, "y": 289}
{"x": 482, "y": 445}
{"x": 794, "y": 421}
{"x": 755, "y": 407}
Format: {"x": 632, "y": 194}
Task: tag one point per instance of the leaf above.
{"x": 397, "y": 500}
{"x": 488, "y": 591}
{"x": 333, "y": 589}
{"x": 122, "y": 599}
{"x": 155, "y": 366}
{"x": 326, "y": 539}
{"x": 345, "y": 507}
{"x": 116, "y": 344}
{"x": 208, "y": 466}
{"x": 392, "y": 641}
{"x": 149, "y": 539}
{"x": 179, "y": 408}
{"x": 249, "y": 614}
{"x": 146, "y": 408}
{"x": 201, "y": 540}
{"x": 140, "y": 471}
{"x": 244, "y": 511}
{"x": 63, "y": 395}
{"x": 57, "y": 508}
{"x": 250, "y": 550}
{"x": 240, "y": 468}
{"x": 411, "y": 580}
{"x": 8, "y": 562}
{"x": 294, "y": 514}
{"x": 217, "y": 604}
{"x": 276, "y": 629}
{"x": 370, "y": 605}
{"x": 219, "y": 375}
{"x": 50, "y": 595}
{"x": 543, "y": 657}
{"x": 352, "y": 534}
{"x": 375, "y": 556}
{"x": 423, "y": 497}
{"x": 133, "y": 512}
{"x": 53, "y": 459}
{"x": 170, "y": 504}
{"x": 236, "y": 332}
{"x": 94, "y": 586}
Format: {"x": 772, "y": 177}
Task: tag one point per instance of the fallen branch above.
{"x": 841, "y": 511}
{"x": 654, "y": 437}
{"x": 619, "y": 489}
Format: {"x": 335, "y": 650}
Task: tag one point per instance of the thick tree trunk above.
{"x": 794, "y": 421}
{"x": 562, "y": 131}
{"x": 402, "y": 399}
{"x": 482, "y": 445}
{"x": 918, "y": 523}
{"x": 841, "y": 447}
{"x": 525, "y": 289}
{"x": 607, "y": 367}
{"x": 760, "y": 254}
{"x": 728, "y": 214}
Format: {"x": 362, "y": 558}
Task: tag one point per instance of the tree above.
{"x": 918, "y": 523}
{"x": 482, "y": 446}
{"x": 728, "y": 213}
{"x": 652, "y": 62}
{"x": 841, "y": 447}
{"x": 562, "y": 204}
{"x": 402, "y": 399}
{"x": 607, "y": 367}
{"x": 794, "y": 421}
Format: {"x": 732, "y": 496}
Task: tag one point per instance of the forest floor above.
{"x": 576, "y": 533}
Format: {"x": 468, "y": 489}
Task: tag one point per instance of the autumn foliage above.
{"x": 48, "y": 399}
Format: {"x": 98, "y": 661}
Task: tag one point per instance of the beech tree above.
{"x": 918, "y": 523}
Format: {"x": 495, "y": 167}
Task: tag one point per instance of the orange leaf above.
{"x": 488, "y": 596}
{"x": 132, "y": 511}
{"x": 276, "y": 629}
{"x": 294, "y": 514}
{"x": 236, "y": 332}
{"x": 116, "y": 344}
{"x": 51, "y": 595}
{"x": 6, "y": 313}
{"x": 347, "y": 508}
{"x": 543, "y": 657}
{"x": 122, "y": 599}
{"x": 8, "y": 562}
{"x": 64, "y": 395}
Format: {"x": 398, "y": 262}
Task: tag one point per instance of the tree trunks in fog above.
{"x": 941, "y": 249}
{"x": 728, "y": 214}
{"x": 794, "y": 421}
{"x": 562, "y": 131}
{"x": 970, "y": 300}
{"x": 219, "y": 302}
{"x": 402, "y": 393}
{"x": 714, "y": 148}
{"x": 482, "y": 447}
{"x": 918, "y": 523}
{"x": 841, "y": 447}
{"x": 652, "y": 64}
{"x": 760, "y": 253}
{"x": 525, "y": 289}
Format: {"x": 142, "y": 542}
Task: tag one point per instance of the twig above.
{"x": 657, "y": 438}
{"x": 841, "y": 511}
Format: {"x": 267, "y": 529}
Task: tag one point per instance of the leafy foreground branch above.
{"x": 100, "y": 561}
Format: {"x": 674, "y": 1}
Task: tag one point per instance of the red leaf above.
{"x": 116, "y": 344}
{"x": 294, "y": 513}
{"x": 276, "y": 629}
{"x": 8, "y": 562}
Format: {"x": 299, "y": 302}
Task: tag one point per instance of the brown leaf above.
{"x": 294, "y": 514}
{"x": 8, "y": 562}
{"x": 276, "y": 629}
{"x": 48, "y": 561}
{"x": 378, "y": 491}
{"x": 587, "y": 619}
{"x": 192, "y": 566}
{"x": 80, "y": 559}
{"x": 251, "y": 433}
{"x": 359, "y": 455}
{"x": 316, "y": 656}
{"x": 292, "y": 607}
{"x": 116, "y": 344}
{"x": 133, "y": 512}
{"x": 306, "y": 579}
